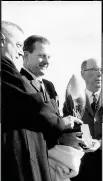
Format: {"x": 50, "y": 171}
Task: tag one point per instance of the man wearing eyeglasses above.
{"x": 91, "y": 167}
{"x": 91, "y": 73}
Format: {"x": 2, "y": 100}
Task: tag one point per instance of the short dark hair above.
{"x": 6, "y": 24}
{"x": 29, "y": 42}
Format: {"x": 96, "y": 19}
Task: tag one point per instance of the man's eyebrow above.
{"x": 19, "y": 43}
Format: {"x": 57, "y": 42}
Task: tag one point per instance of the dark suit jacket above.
{"x": 94, "y": 121}
{"x": 26, "y": 123}
{"x": 51, "y": 98}
{"x": 91, "y": 165}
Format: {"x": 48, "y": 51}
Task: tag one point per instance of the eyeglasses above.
{"x": 94, "y": 69}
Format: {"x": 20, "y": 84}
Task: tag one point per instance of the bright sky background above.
{"x": 73, "y": 28}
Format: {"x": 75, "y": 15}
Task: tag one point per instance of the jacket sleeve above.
{"x": 23, "y": 110}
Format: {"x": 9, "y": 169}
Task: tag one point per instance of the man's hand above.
{"x": 72, "y": 139}
{"x": 96, "y": 144}
{"x": 70, "y": 120}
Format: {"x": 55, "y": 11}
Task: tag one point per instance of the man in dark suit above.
{"x": 27, "y": 120}
{"x": 35, "y": 62}
{"x": 93, "y": 115}
{"x": 91, "y": 167}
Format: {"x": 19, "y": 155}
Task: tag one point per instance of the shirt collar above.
{"x": 33, "y": 76}
{"x": 89, "y": 94}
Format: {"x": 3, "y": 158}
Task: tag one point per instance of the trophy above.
{"x": 75, "y": 102}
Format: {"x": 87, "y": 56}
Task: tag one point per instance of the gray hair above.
{"x": 5, "y": 25}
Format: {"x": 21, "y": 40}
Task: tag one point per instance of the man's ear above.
{"x": 82, "y": 74}
{"x": 26, "y": 56}
{"x": 2, "y": 39}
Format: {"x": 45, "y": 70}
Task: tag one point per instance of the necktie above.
{"x": 40, "y": 86}
{"x": 42, "y": 89}
{"x": 94, "y": 103}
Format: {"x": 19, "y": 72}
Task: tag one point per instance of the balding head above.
{"x": 11, "y": 41}
{"x": 90, "y": 63}
{"x": 7, "y": 28}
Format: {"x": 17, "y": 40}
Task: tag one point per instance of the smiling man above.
{"x": 35, "y": 64}
{"x": 37, "y": 61}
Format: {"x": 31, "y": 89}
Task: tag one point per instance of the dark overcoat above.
{"x": 29, "y": 125}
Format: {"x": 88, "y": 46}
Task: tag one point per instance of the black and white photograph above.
{"x": 51, "y": 91}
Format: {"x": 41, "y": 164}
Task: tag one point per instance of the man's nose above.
{"x": 99, "y": 73}
{"x": 45, "y": 60}
{"x": 21, "y": 53}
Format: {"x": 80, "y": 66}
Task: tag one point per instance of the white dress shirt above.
{"x": 90, "y": 97}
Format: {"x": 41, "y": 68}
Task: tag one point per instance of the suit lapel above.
{"x": 99, "y": 103}
{"x": 26, "y": 74}
{"x": 29, "y": 88}
{"x": 31, "y": 84}
{"x": 30, "y": 79}
{"x": 35, "y": 85}
{"x": 53, "y": 101}
{"x": 46, "y": 92}
{"x": 88, "y": 106}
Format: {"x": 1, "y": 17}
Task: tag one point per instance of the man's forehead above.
{"x": 92, "y": 63}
